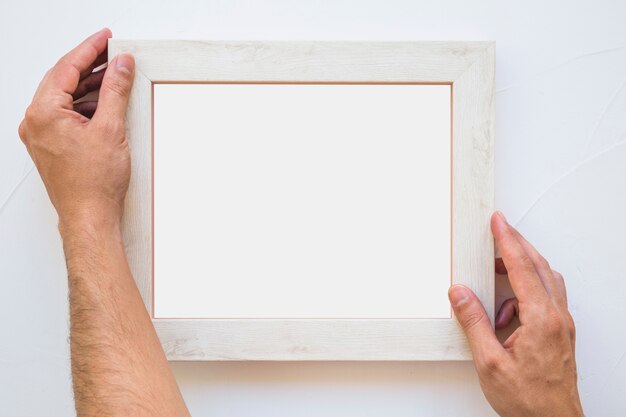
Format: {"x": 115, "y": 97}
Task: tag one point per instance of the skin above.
{"x": 533, "y": 373}
{"x": 118, "y": 366}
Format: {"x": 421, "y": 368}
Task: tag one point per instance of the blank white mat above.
{"x": 302, "y": 200}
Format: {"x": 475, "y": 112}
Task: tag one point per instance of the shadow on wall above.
{"x": 314, "y": 373}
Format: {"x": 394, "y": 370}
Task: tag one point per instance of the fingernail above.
{"x": 123, "y": 62}
{"x": 458, "y": 294}
{"x": 501, "y": 215}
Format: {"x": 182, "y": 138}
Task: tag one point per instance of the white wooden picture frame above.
{"x": 467, "y": 67}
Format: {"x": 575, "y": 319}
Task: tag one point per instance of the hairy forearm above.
{"x": 118, "y": 366}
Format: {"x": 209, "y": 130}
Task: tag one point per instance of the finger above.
{"x": 561, "y": 290}
{"x": 541, "y": 265}
{"x": 86, "y": 108}
{"x": 66, "y": 74}
{"x": 508, "y": 310}
{"x": 473, "y": 319}
{"x": 100, "y": 61}
{"x": 90, "y": 83}
{"x": 115, "y": 89}
{"x": 523, "y": 277}
{"x": 500, "y": 267}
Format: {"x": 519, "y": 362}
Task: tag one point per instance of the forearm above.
{"x": 118, "y": 366}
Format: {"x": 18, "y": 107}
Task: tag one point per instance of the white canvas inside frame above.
{"x": 302, "y": 200}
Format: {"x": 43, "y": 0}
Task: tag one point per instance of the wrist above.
{"x": 90, "y": 223}
{"x": 87, "y": 238}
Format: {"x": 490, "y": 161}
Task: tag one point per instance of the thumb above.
{"x": 473, "y": 319}
{"x": 115, "y": 89}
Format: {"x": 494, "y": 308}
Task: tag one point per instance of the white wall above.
{"x": 561, "y": 177}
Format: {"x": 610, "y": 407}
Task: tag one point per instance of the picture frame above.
{"x": 468, "y": 67}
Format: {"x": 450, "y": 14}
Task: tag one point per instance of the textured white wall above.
{"x": 561, "y": 176}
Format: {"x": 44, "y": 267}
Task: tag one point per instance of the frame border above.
{"x": 467, "y": 66}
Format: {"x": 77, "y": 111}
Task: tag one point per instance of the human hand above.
{"x": 533, "y": 373}
{"x": 84, "y": 161}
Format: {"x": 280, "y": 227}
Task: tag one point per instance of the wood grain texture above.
{"x": 473, "y": 167}
{"x": 302, "y": 61}
{"x": 137, "y": 219}
{"x": 468, "y": 66}
{"x": 320, "y": 339}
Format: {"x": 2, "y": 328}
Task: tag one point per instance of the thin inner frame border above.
{"x": 239, "y": 82}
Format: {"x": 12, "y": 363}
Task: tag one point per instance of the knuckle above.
{"x": 524, "y": 265}
{"x": 543, "y": 263}
{"x": 21, "y": 130}
{"x": 31, "y": 114}
{"x": 554, "y": 323}
{"x": 525, "y": 262}
{"x": 572, "y": 332}
{"x": 63, "y": 66}
{"x": 491, "y": 363}
{"x": 118, "y": 85}
{"x": 471, "y": 319}
{"x": 558, "y": 276}
{"x": 61, "y": 61}
{"x": 47, "y": 75}
{"x": 32, "y": 119}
